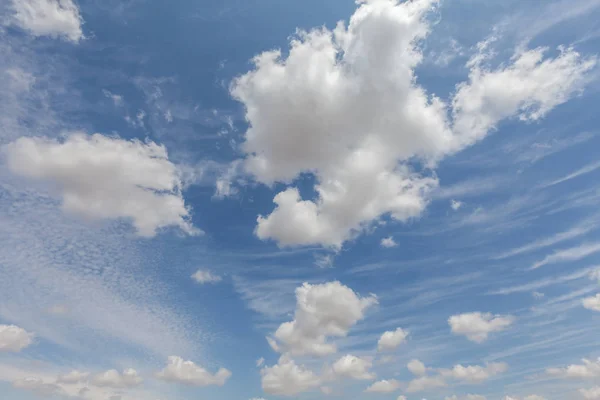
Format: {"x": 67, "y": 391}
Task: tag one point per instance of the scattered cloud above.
{"x": 424, "y": 383}
{"x": 592, "y": 303}
{"x": 474, "y": 374}
{"x": 388, "y": 242}
{"x": 204, "y": 276}
{"x": 390, "y": 340}
{"x": 104, "y": 177}
{"x": 455, "y": 204}
{"x": 359, "y": 116}
{"x": 113, "y": 379}
{"x": 477, "y": 326}
{"x": 286, "y": 378}
{"x": 38, "y": 386}
{"x": 384, "y": 386}
{"x": 322, "y": 311}
{"x": 14, "y": 339}
{"x": 353, "y": 367}
{"x": 188, "y": 373}
{"x": 54, "y": 18}
{"x": 590, "y": 394}
{"x": 416, "y": 367}
{"x": 588, "y": 370}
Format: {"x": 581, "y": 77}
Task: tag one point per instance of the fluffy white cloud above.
{"x": 416, "y": 367}
{"x": 353, "y": 367}
{"x": 590, "y": 394}
{"x": 13, "y": 338}
{"x": 54, "y": 18}
{"x": 588, "y": 370}
{"x": 260, "y": 362}
{"x": 113, "y": 379}
{"x": 390, "y": 340}
{"x": 592, "y": 303}
{"x": 322, "y": 311}
{"x": 425, "y": 383}
{"x": 286, "y": 378}
{"x": 401, "y": 397}
{"x": 474, "y": 373}
{"x": 204, "y": 276}
{"x": 38, "y": 386}
{"x": 187, "y": 372}
{"x": 388, "y": 242}
{"x": 74, "y": 376}
{"x": 477, "y": 326}
{"x": 105, "y": 177}
{"x": 384, "y": 386}
{"x": 344, "y": 105}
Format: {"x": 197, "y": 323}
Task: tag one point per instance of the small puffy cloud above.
{"x": 14, "y": 339}
{"x": 390, "y": 340}
{"x": 260, "y": 362}
{"x": 353, "y": 367}
{"x": 113, "y": 379}
{"x": 286, "y": 378}
{"x": 401, "y": 397}
{"x": 477, "y": 326}
{"x": 589, "y": 369}
{"x": 203, "y": 276}
{"x": 106, "y": 177}
{"x": 384, "y": 386}
{"x": 74, "y": 376}
{"x": 116, "y": 99}
{"x": 592, "y": 303}
{"x": 388, "y": 242}
{"x": 54, "y": 18}
{"x": 534, "y": 397}
{"x": 538, "y": 295}
{"x": 354, "y": 115}
{"x": 423, "y": 383}
{"x": 474, "y": 373}
{"x": 322, "y": 311}
{"x": 590, "y": 394}
{"x": 416, "y": 367}
{"x": 38, "y": 386}
{"x": 187, "y": 372}
{"x": 455, "y": 204}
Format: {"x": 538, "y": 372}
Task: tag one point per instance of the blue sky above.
{"x": 247, "y": 200}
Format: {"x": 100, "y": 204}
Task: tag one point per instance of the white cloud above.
{"x": 353, "y": 115}
{"x": 384, "y": 386}
{"x": 416, "y": 367}
{"x": 401, "y": 397}
{"x": 390, "y": 340}
{"x": 582, "y": 171}
{"x": 74, "y": 376}
{"x": 592, "y": 303}
{"x": 588, "y": 370}
{"x": 474, "y": 373}
{"x": 38, "y": 386}
{"x": 113, "y": 379}
{"x": 353, "y": 367}
{"x": 455, "y": 204}
{"x": 204, "y": 276}
{"x": 13, "y": 338}
{"x": 115, "y": 98}
{"x": 260, "y": 362}
{"x": 571, "y": 254}
{"x": 187, "y": 372}
{"x": 475, "y": 397}
{"x": 534, "y": 397}
{"x": 54, "y": 18}
{"x": 104, "y": 177}
{"x": 286, "y": 378}
{"x": 324, "y": 310}
{"x": 423, "y": 383}
{"x": 388, "y": 242}
{"x": 591, "y": 394}
{"x": 477, "y": 326}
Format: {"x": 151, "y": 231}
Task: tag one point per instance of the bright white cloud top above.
{"x": 354, "y": 116}
{"x": 102, "y": 177}
{"x": 478, "y": 326}
{"x": 187, "y": 372}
